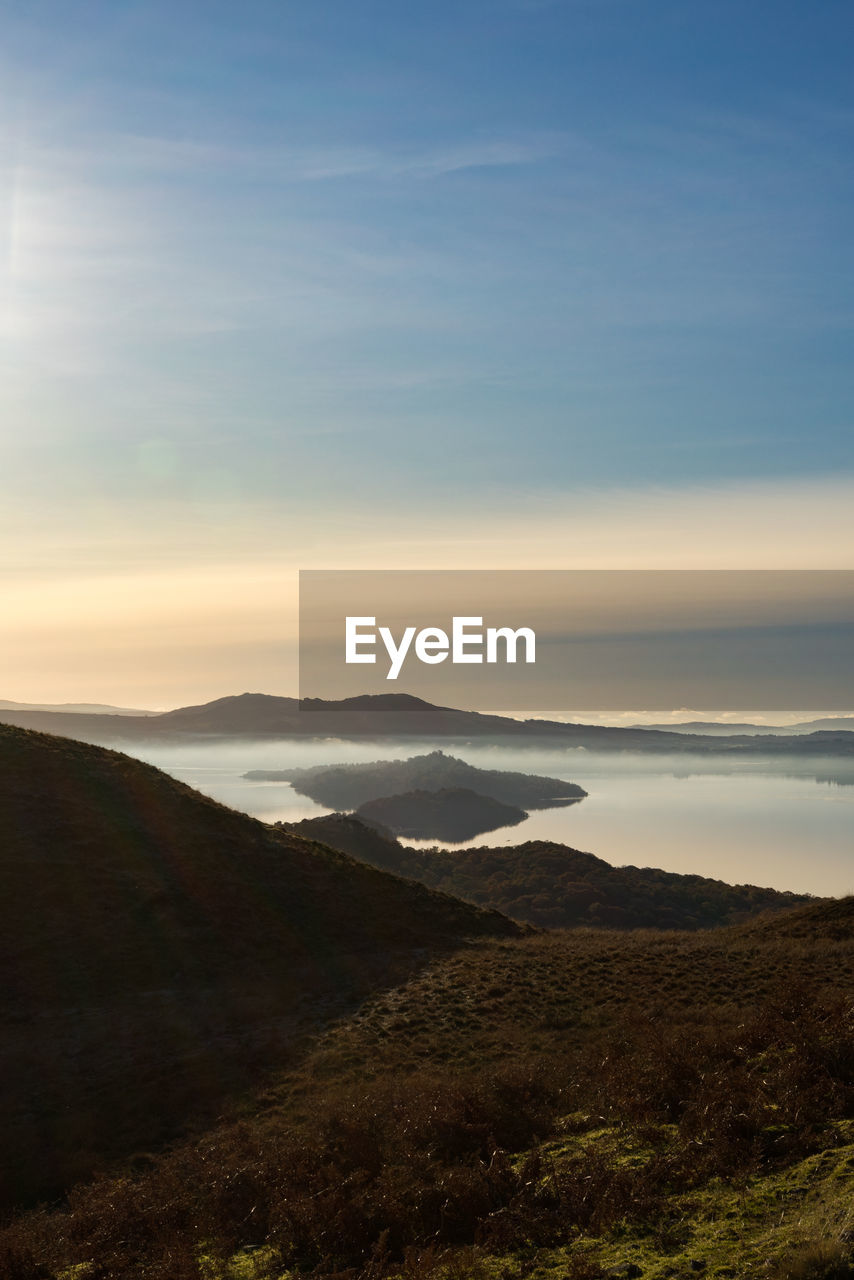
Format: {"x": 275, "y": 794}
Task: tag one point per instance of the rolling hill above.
{"x": 552, "y": 886}
{"x": 584, "y": 1105}
{"x": 158, "y": 950}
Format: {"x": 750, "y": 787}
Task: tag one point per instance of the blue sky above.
{"x": 261, "y": 263}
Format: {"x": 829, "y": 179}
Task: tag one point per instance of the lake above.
{"x": 784, "y": 823}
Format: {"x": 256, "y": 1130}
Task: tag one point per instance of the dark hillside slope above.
{"x": 553, "y": 886}
{"x": 155, "y": 947}
{"x": 831, "y": 920}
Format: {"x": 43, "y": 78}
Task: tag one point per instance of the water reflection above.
{"x": 785, "y": 823}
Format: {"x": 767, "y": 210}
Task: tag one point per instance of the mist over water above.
{"x": 787, "y": 823}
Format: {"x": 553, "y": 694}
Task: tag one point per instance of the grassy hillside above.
{"x": 362, "y": 1096}
{"x": 553, "y": 886}
{"x": 157, "y": 948}
{"x": 566, "y": 1106}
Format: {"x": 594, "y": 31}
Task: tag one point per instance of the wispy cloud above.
{"x": 109, "y": 236}
{"x": 125, "y": 155}
{"x": 430, "y": 162}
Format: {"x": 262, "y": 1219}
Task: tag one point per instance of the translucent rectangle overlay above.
{"x": 618, "y": 640}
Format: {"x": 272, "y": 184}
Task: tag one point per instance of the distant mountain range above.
{"x": 254, "y": 716}
{"x": 718, "y": 729}
{"x": 66, "y": 708}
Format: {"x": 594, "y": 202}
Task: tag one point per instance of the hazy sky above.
{"x": 282, "y": 285}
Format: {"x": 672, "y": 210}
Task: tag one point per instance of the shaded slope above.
{"x": 830, "y": 919}
{"x": 553, "y": 886}
{"x": 155, "y": 946}
{"x": 116, "y": 875}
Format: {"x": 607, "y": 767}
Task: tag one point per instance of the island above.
{"x": 347, "y": 786}
{"x": 453, "y": 814}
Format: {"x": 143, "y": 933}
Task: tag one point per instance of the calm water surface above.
{"x": 787, "y": 824}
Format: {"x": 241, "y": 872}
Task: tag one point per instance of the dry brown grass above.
{"x": 725, "y": 1054}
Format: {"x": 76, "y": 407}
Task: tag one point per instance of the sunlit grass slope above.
{"x": 567, "y": 1106}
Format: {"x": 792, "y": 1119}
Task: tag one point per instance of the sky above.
{"x": 517, "y": 283}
